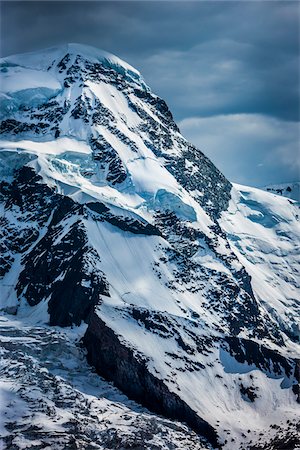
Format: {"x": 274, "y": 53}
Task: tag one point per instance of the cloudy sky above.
{"x": 228, "y": 70}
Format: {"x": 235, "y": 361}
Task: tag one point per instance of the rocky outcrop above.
{"x": 123, "y": 223}
{"x": 117, "y": 362}
{"x": 271, "y": 362}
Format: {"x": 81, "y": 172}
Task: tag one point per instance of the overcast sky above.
{"x": 229, "y": 71}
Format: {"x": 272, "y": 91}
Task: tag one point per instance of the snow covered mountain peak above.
{"x": 76, "y": 99}
{"x": 189, "y": 287}
{"x": 45, "y": 58}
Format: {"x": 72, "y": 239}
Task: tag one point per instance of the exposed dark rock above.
{"x": 248, "y": 392}
{"x": 97, "y": 207}
{"x": 124, "y": 223}
{"x": 214, "y": 188}
{"x": 265, "y": 359}
{"x": 230, "y": 295}
{"x": 153, "y": 321}
{"x": 109, "y": 160}
{"x": 72, "y": 288}
{"x": 119, "y": 363}
{"x": 62, "y": 270}
{"x": 81, "y": 109}
{"x": 63, "y": 62}
{"x": 284, "y": 440}
{"x": 12, "y": 126}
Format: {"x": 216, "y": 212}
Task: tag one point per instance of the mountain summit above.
{"x": 188, "y": 286}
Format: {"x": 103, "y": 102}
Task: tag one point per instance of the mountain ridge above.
{"x": 289, "y": 190}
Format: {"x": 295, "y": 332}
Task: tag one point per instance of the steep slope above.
{"x": 50, "y": 398}
{"x": 111, "y": 217}
{"x": 263, "y": 230}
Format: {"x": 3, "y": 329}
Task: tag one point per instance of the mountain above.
{"x": 289, "y": 190}
{"x": 182, "y": 289}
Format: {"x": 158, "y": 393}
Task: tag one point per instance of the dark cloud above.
{"x": 205, "y": 59}
{"x": 250, "y": 148}
{"x": 240, "y": 57}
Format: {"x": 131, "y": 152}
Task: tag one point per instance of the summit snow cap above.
{"x": 43, "y": 59}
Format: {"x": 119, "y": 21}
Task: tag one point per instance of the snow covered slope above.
{"x": 50, "y": 398}
{"x": 264, "y": 232}
{"x": 189, "y": 286}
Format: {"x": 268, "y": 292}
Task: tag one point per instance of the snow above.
{"x": 61, "y": 163}
{"x": 166, "y": 201}
{"x": 148, "y": 186}
{"x": 42, "y": 60}
{"x": 115, "y": 101}
{"x": 127, "y": 263}
{"x": 53, "y": 147}
{"x": 20, "y": 79}
{"x": 128, "y": 260}
{"x": 49, "y": 393}
{"x": 264, "y": 232}
{"x": 262, "y": 236}
{"x": 220, "y": 403}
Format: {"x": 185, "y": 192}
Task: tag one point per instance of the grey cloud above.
{"x": 240, "y": 57}
{"x": 220, "y": 76}
{"x": 248, "y": 148}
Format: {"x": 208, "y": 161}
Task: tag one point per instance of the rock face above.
{"x": 118, "y": 363}
{"x": 189, "y": 286}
